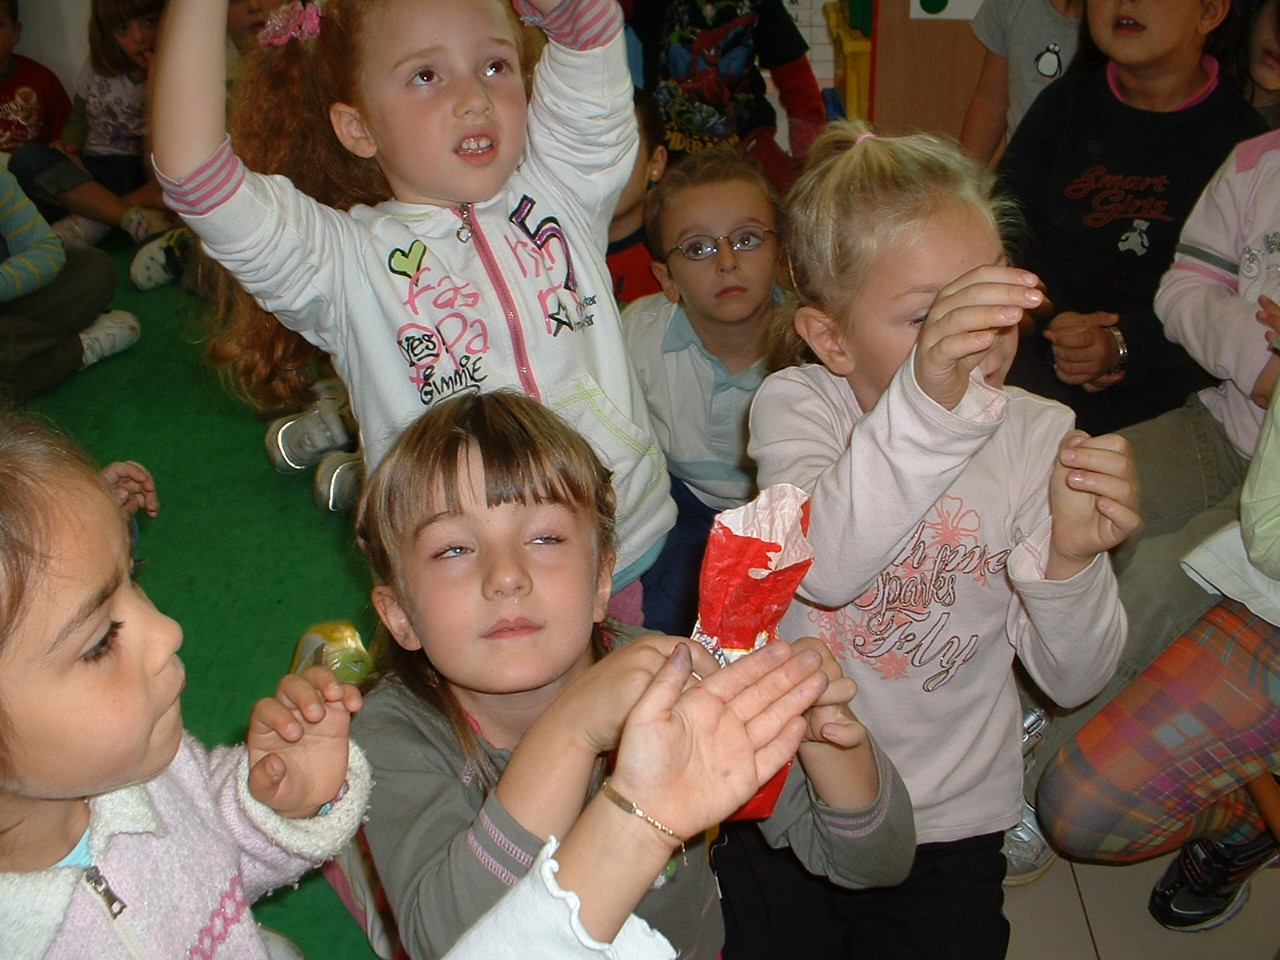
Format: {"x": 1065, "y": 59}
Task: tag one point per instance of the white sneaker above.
{"x": 1027, "y": 853}
{"x": 142, "y": 222}
{"x": 76, "y": 231}
{"x": 297, "y": 441}
{"x": 279, "y": 947}
{"x": 338, "y": 480}
{"x": 111, "y": 333}
{"x": 160, "y": 259}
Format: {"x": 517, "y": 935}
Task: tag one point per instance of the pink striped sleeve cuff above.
{"x": 576, "y": 24}
{"x": 207, "y": 187}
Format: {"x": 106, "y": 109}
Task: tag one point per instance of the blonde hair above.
{"x": 529, "y": 454}
{"x": 35, "y": 462}
{"x": 857, "y": 196}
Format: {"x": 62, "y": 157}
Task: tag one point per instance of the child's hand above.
{"x": 297, "y": 742}
{"x": 830, "y": 720}
{"x": 1265, "y": 385}
{"x": 132, "y": 486}
{"x": 964, "y": 323}
{"x": 691, "y": 755}
{"x": 1269, "y": 316}
{"x": 597, "y": 703}
{"x": 1083, "y": 352}
{"x": 1093, "y": 496}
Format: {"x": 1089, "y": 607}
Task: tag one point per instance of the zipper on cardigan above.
{"x": 114, "y": 907}
{"x": 98, "y": 884}
{"x": 463, "y": 233}
{"x": 520, "y": 350}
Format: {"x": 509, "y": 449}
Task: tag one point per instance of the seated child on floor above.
{"x": 1105, "y": 168}
{"x": 698, "y": 349}
{"x": 119, "y": 828}
{"x": 95, "y": 176}
{"x": 33, "y": 103}
{"x": 489, "y": 526}
{"x": 52, "y": 302}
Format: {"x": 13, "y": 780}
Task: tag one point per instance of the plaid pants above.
{"x": 1164, "y": 762}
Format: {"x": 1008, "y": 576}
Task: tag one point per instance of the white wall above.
{"x": 56, "y": 32}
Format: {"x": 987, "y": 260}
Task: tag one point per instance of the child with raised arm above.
{"x": 119, "y": 834}
{"x": 489, "y": 529}
{"x": 698, "y": 348}
{"x": 956, "y": 524}
{"x": 478, "y": 262}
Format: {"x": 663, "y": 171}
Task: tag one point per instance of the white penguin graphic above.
{"x": 1049, "y": 62}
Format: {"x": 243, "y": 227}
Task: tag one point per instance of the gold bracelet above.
{"x": 622, "y": 803}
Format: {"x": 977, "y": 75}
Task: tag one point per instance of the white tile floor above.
{"x": 1091, "y": 912}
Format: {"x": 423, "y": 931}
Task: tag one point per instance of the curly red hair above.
{"x": 279, "y": 124}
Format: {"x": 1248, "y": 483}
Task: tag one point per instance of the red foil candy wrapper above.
{"x": 756, "y": 557}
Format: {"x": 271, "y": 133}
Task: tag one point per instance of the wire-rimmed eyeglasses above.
{"x": 741, "y": 239}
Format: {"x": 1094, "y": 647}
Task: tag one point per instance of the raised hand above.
{"x": 598, "y": 702}
{"x": 965, "y": 324}
{"x": 692, "y": 754}
{"x": 132, "y": 486}
{"x": 298, "y": 742}
{"x": 1093, "y": 497}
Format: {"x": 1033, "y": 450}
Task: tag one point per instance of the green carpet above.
{"x": 238, "y": 555}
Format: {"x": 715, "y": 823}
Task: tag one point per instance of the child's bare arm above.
{"x": 188, "y": 83}
{"x": 298, "y": 742}
{"x": 132, "y": 486}
{"x": 1093, "y": 496}
{"x": 963, "y": 324}
{"x": 984, "y": 122}
{"x": 835, "y": 753}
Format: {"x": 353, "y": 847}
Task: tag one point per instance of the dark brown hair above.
{"x": 105, "y": 54}
{"x": 34, "y": 462}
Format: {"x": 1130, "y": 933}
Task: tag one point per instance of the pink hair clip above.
{"x": 293, "y": 21}
{"x": 868, "y": 135}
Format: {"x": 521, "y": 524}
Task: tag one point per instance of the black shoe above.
{"x": 1208, "y": 882}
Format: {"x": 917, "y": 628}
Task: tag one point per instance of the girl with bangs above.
{"x": 489, "y": 526}
{"x": 95, "y": 176}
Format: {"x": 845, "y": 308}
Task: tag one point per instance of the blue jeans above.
{"x": 45, "y": 173}
{"x": 671, "y": 584}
